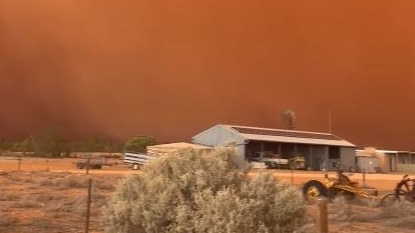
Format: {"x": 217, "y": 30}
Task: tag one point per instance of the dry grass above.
{"x": 9, "y": 197}
{"x": 55, "y": 202}
{"x": 65, "y": 208}
{"x": 352, "y": 214}
{"x": 400, "y": 214}
{"x": 307, "y": 228}
{"x": 6, "y": 220}
{"x": 27, "y": 203}
{"x": 341, "y": 210}
{"x": 65, "y": 183}
{"x": 407, "y": 222}
{"x": 397, "y": 210}
{"x": 51, "y": 202}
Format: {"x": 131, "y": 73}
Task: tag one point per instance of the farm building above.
{"x": 391, "y": 160}
{"x": 320, "y": 150}
{"x": 403, "y": 161}
{"x": 369, "y": 161}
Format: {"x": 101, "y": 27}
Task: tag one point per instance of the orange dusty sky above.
{"x": 173, "y": 68}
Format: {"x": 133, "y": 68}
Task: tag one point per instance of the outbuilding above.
{"x": 321, "y": 151}
{"x": 391, "y": 160}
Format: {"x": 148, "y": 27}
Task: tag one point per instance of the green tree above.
{"x": 190, "y": 192}
{"x": 24, "y": 145}
{"x": 51, "y": 145}
{"x": 139, "y": 144}
{"x": 5, "y": 144}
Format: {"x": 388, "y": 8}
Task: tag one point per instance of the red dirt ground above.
{"x": 49, "y": 195}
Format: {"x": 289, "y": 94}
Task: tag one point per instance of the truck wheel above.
{"x": 136, "y": 166}
{"x": 314, "y": 189}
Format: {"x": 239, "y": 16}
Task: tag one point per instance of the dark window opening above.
{"x": 334, "y": 152}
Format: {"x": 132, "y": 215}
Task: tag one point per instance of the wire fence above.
{"x": 322, "y": 223}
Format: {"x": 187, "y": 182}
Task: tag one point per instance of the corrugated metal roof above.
{"x": 288, "y": 136}
{"x": 388, "y": 151}
{"x": 284, "y": 133}
{"x": 179, "y": 145}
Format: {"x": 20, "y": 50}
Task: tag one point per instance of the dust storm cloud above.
{"x": 173, "y": 68}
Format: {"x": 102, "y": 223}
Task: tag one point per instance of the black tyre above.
{"x": 314, "y": 189}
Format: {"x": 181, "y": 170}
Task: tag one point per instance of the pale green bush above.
{"x": 194, "y": 193}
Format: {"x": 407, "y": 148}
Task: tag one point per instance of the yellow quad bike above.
{"x": 332, "y": 187}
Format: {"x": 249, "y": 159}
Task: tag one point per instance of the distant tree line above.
{"x": 54, "y": 145}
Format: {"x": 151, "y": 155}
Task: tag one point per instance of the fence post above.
{"x": 323, "y": 226}
{"x": 88, "y": 206}
{"x": 292, "y": 176}
{"x": 87, "y": 165}
{"x": 364, "y": 177}
{"x": 19, "y": 162}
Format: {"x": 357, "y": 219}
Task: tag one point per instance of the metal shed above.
{"x": 322, "y": 151}
{"x": 391, "y": 160}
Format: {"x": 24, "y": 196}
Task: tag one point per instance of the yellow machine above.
{"x": 342, "y": 185}
{"x": 297, "y": 163}
{"x": 331, "y": 187}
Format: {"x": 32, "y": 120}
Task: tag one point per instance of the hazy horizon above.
{"x": 171, "y": 69}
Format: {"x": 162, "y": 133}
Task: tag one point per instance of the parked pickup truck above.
{"x": 136, "y": 159}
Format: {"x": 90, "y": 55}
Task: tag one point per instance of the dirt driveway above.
{"x": 382, "y": 182}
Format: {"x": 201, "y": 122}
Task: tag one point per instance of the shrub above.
{"x": 139, "y": 144}
{"x": 193, "y": 193}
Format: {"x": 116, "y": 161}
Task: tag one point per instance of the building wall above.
{"x": 319, "y": 157}
{"x": 405, "y": 162}
{"x": 241, "y": 151}
{"x": 316, "y": 155}
{"x": 218, "y": 136}
{"x": 385, "y": 162}
{"x": 347, "y": 158}
{"x": 333, "y": 158}
{"x": 367, "y": 164}
{"x": 402, "y": 167}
